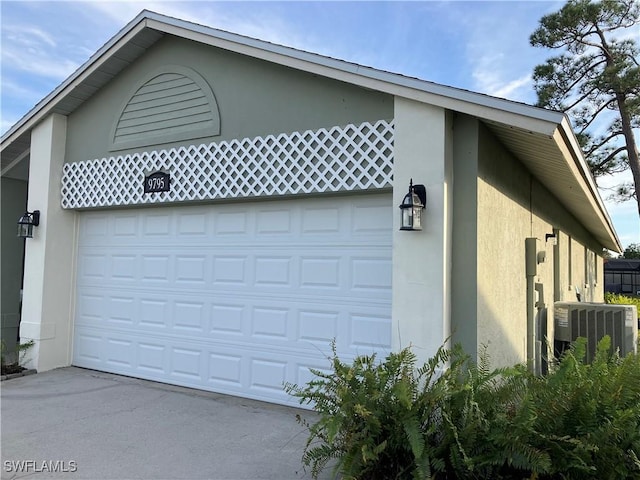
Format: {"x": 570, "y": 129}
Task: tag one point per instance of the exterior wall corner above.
{"x": 421, "y": 264}
{"x": 49, "y": 268}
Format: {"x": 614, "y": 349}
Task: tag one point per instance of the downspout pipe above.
{"x": 531, "y": 270}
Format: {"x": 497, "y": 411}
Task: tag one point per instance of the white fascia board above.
{"x": 518, "y": 115}
{"x": 513, "y": 114}
{"x": 43, "y": 108}
{"x": 482, "y": 106}
{"x": 572, "y": 153}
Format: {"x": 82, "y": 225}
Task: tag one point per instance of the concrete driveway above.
{"x": 82, "y": 424}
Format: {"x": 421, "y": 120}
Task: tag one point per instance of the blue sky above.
{"x": 476, "y": 45}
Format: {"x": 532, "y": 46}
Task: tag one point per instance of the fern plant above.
{"x": 393, "y": 420}
{"x": 372, "y": 416}
{"x": 587, "y": 415}
{"x": 453, "y": 419}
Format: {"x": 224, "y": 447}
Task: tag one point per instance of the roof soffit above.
{"x": 483, "y": 106}
{"x": 148, "y": 27}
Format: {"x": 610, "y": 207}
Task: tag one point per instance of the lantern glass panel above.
{"x": 417, "y": 218}
{"x": 25, "y": 230}
{"x": 407, "y": 217}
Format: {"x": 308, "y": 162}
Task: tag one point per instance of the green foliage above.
{"x": 586, "y": 416}
{"x": 618, "y": 299}
{"x": 632, "y": 251}
{"x": 23, "y": 348}
{"x": 11, "y": 361}
{"x": 392, "y": 420}
{"x": 373, "y": 416}
{"x": 595, "y": 80}
{"x": 453, "y": 419}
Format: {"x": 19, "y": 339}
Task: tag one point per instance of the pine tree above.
{"x": 595, "y": 79}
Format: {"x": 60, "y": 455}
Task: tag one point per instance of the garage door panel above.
{"x": 274, "y": 319}
{"x": 229, "y": 270}
{"x": 121, "y": 309}
{"x": 124, "y": 267}
{"x": 370, "y": 275}
{"x": 152, "y": 360}
{"x": 189, "y": 316}
{"x": 241, "y": 223}
{"x": 234, "y": 298}
{"x": 360, "y": 273}
{"x": 300, "y": 326}
{"x": 186, "y": 362}
{"x": 88, "y": 348}
{"x": 247, "y": 370}
{"x": 369, "y": 332}
{"x": 94, "y": 266}
{"x": 119, "y": 353}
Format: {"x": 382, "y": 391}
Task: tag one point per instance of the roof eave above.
{"x": 576, "y": 159}
{"x": 506, "y": 112}
{"x": 484, "y": 106}
{"x": 42, "y": 108}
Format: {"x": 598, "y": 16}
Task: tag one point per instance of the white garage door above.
{"x": 234, "y": 298}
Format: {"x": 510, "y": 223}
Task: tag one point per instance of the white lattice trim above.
{"x": 338, "y": 159}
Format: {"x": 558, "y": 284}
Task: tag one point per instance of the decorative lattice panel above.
{"x": 354, "y": 157}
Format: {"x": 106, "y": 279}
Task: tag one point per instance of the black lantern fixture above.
{"x": 27, "y": 222}
{"x": 551, "y": 238}
{"x": 411, "y": 207}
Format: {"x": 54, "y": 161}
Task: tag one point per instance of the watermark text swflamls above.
{"x": 34, "y": 466}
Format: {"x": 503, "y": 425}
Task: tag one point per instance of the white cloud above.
{"x": 623, "y": 215}
{"x": 513, "y": 89}
{"x": 37, "y": 62}
{"x": 31, "y": 49}
{"x": 498, "y": 53}
{"x": 243, "y": 19}
{"x": 28, "y": 36}
{"x": 19, "y": 90}
{"x": 493, "y": 80}
{"x": 480, "y": 46}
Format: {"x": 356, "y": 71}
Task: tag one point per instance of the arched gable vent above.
{"x": 171, "y": 105}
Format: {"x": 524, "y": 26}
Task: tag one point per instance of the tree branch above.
{"x": 608, "y": 158}
{"x": 580, "y": 99}
{"x": 602, "y": 142}
{"x": 596, "y": 113}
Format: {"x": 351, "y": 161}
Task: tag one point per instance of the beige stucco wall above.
{"x": 512, "y": 206}
{"x": 254, "y": 98}
{"x": 475, "y": 188}
{"x": 464, "y": 291}
{"x": 421, "y": 268}
{"x": 49, "y": 267}
{"x": 504, "y": 222}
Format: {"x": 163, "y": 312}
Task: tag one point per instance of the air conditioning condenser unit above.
{"x": 593, "y": 321}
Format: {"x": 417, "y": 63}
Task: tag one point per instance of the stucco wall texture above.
{"x": 254, "y": 97}
{"x": 483, "y": 191}
{"x": 511, "y": 206}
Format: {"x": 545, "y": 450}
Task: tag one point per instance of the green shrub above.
{"x": 453, "y": 419}
{"x": 619, "y": 299}
{"x": 373, "y": 416}
{"x": 389, "y": 420}
{"x": 11, "y": 362}
{"x": 587, "y": 416}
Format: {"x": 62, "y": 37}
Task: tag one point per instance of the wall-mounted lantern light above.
{"x": 551, "y": 238}
{"x": 27, "y": 222}
{"x": 411, "y": 207}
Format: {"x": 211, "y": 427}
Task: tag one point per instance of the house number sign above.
{"x": 157, "y": 182}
